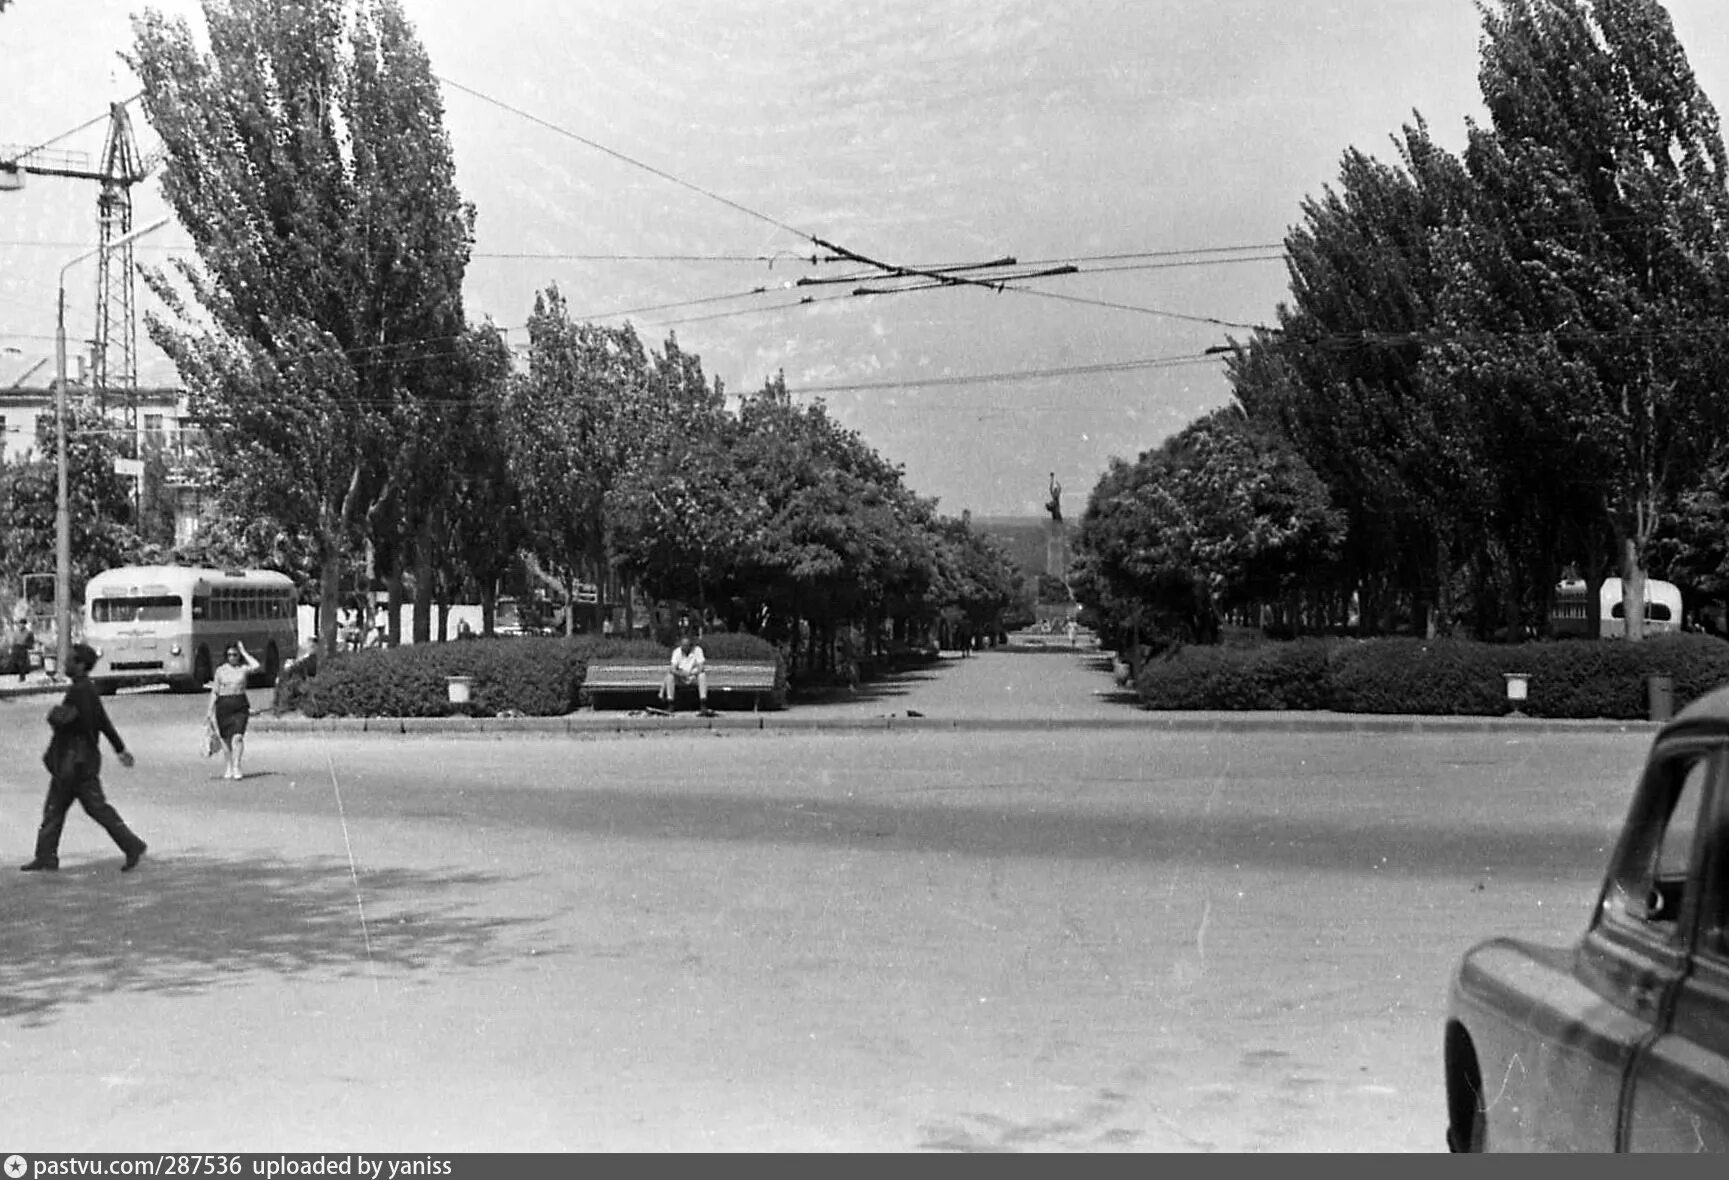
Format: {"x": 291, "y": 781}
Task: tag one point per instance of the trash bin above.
{"x": 1660, "y": 693}
{"x": 456, "y": 689}
{"x": 1518, "y": 690}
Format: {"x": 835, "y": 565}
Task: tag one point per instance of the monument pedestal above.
{"x": 1056, "y": 548}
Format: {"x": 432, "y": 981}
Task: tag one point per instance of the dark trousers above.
{"x": 88, "y": 791}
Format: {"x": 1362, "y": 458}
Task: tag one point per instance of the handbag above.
{"x": 64, "y": 756}
{"x": 212, "y": 738}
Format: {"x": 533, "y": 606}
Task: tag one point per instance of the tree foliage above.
{"x": 1502, "y": 364}
{"x": 99, "y": 502}
{"x": 1221, "y": 515}
{"x": 306, "y": 158}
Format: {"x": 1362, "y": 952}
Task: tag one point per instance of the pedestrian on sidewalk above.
{"x": 74, "y": 762}
{"x": 230, "y": 708}
{"x": 22, "y": 642}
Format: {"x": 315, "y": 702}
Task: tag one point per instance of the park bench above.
{"x": 724, "y": 679}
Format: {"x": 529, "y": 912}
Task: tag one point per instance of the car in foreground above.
{"x": 1619, "y": 1042}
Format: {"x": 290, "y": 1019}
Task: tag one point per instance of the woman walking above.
{"x": 229, "y": 707}
{"x": 74, "y": 761}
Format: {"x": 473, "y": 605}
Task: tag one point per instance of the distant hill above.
{"x": 1022, "y": 538}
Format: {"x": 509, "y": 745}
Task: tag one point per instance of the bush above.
{"x": 538, "y": 676}
{"x": 1442, "y": 677}
{"x": 1608, "y": 679}
{"x": 292, "y": 685}
{"x": 1435, "y": 677}
{"x": 1273, "y": 676}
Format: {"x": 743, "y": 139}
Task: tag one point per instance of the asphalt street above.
{"x": 1089, "y": 936}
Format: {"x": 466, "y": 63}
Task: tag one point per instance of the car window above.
{"x": 1652, "y": 883}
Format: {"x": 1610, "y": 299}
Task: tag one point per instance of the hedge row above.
{"x": 533, "y": 676}
{"x": 1573, "y": 678}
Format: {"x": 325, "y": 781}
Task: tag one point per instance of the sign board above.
{"x": 131, "y": 467}
{"x": 587, "y": 593}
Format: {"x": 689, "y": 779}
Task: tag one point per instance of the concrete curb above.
{"x": 579, "y": 724}
{"x": 42, "y": 689}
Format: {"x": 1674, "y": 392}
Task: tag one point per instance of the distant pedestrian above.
{"x": 230, "y": 709}
{"x": 74, "y": 762}
{"x": 464, "y": 631}
{"x": 22, "y": 642}
{"x": 1072, "y": 631}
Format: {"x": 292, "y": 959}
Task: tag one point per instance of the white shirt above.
{"x": 687, "y": 663}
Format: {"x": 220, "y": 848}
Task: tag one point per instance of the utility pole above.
{"x": 62, "y": 503}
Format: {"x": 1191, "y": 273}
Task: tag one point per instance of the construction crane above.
{"x": 114, "y": 359}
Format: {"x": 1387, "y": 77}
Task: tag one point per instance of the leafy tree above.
{"x": 777, "y": 515}
{"x": 99, "y": 503}
{"x": 1505, "y": 362}
{"x": 592, "y": 412}
{"x": 1608, "y": 157}
{"x": 686, "y": 518}
{"x": 1221, "y": 516}
{"x": 1345, "y": 378}
{"x": 974, "y": 576}
{"x": 1052, "y": 591}
{"x": 312, "y": 171}
{"x": 485, "y": 519}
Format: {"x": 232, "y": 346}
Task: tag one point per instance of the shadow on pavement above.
{"x": 883, "y": 686}
{"x": 190, "y": 922}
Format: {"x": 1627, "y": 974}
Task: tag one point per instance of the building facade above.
{"x": 163, "y": 427}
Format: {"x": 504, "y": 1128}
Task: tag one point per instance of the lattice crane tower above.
{"x": 114, "y": 363}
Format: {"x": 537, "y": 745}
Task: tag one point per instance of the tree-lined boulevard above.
{"x": 1091, "y": 937}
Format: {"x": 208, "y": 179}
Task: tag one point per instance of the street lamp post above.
{"x": 62, "y": 504}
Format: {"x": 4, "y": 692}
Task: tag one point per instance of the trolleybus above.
{"x": 172, "y": 623}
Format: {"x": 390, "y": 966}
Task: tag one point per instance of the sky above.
{"x": 669, "y": 163}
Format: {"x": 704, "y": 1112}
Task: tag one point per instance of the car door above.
{"x": 1636, "y": 952}
{"x": 1679, "y": 1088}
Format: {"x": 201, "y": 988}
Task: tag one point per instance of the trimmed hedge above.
{"x": 1274, "y": 676}
{"x": 1571, "y": 678}
{"x": 537, "y": 676}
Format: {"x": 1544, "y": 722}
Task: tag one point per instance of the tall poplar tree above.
{"x": 306, "y": 156}
{"x": 1610, "y": 161}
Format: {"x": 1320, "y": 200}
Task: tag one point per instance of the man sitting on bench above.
{"x": 687, "y": 668}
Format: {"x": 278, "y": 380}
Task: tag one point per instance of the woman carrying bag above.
{"x": 229, "y": 706}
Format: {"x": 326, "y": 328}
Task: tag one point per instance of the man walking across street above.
{"x": 74, "y": 761}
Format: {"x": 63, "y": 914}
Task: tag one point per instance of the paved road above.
{"x": 1095, "y": 938}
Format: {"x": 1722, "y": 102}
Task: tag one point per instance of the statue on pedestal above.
{"x": 1056, "y": 533}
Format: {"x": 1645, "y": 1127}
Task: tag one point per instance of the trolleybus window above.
{"x": 153, "y": 608}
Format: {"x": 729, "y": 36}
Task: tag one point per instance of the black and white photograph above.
{"x": 909, "y": 576}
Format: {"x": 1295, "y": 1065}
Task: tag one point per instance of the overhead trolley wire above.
{"x": 628, "y": 159}
{"x": 1157, "y": 362}
{"x": 945, "y": 275}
